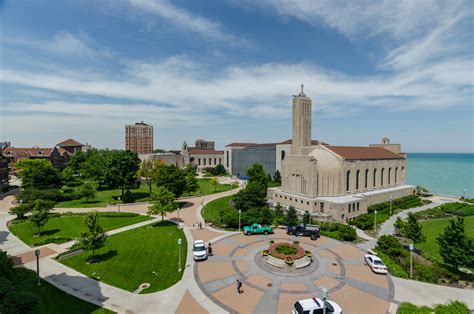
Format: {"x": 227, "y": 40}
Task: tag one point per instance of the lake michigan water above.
{"x": 446, "y": 174}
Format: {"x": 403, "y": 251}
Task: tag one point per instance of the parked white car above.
{"x": 199, "y": 250}
{"x": 376, "y": 264}
{"x": 316, "y": 306}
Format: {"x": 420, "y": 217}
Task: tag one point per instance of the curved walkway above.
{"x": 209, "y": 287}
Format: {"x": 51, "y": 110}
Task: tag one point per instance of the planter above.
{"x": 265, "y": 253}
{"x": 271, "y": 242}
{"x": 289, "y": 261}
{"x": 296, "y": 242}
{"x": 308, "y": 253}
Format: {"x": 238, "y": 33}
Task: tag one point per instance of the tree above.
{"x": 95, "y": 167}
{"x": 413, "y": 229}
{"x": 306, "y": 217}
{"x": 21, "y": 210}
{"x": 455, "y": 247}
{"x": 279, "y": 215}
{"x": 87, "y": 191}
{"x": 267, "y": 215}
{"x": 277, "y": 177}
{"x": 148, "y": 170}
{"x": 192, "y": 184}
{"x": 95, "y": 237}
{"x": 38, "y": 173}
{"x": 172, "y": 178}
{"x": 291, "y": 218}
{"x": 40, "y": 213}
{"x": 399, "y": 225}
{"x": 257, "y": 175}
{"x": 219, "y": 170}
{"x": 253, "y": 196}
{"x": 121, "y": 169}
{"x": 214, "y": 183}
{"x": 163, "y": 201}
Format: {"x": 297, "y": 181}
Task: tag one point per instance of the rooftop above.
{"x": 363, "y": 152}
{"x": 69, "y": 142}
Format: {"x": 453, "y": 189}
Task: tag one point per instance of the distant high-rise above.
{"x": 139, "y": 138}
{"x": 202, "y": 144}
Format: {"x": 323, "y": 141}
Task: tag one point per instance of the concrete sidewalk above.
{"x": 422, "y": 293}
{"x": 388, "y": 228}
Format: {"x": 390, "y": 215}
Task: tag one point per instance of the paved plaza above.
{"x": 210, "y": 286}
{"x": 336, "y": 266}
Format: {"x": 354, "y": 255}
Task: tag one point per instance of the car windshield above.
{"x": 298, "y": 308}
{"x": 199, "y": 248}
{"x": 378, "y": 262}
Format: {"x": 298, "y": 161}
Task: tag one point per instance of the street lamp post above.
{"x": 375, "y": 220}
{"x": 37, "y": 254}
{"x": 119, "y": 203}
{"x": 240, "y": 212}
{"x": 178, "y": 215}
{"x": 180, "y": 242}
{"x": 464, "y": 194}
{"x": 391, "y": 205}
{"x": 411, "y": 247}
{"x": 324, "y": 297}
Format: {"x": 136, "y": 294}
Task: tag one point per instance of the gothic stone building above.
{"x": 336, "y": 182}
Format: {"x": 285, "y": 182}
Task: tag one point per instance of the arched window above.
{"x": 366, "y": 178}
{"x": 374, "y": 178}
{"x": 348, "y": 180}
{"x": 396, "y": 170}
{"x": 389, "y": 174}
{"x": 357, "y": 179}
{"x": 283, "y": 155}
{"x": 381, "y": 176}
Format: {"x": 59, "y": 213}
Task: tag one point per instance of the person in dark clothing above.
{"x": 239, "y": 286}
{"x": 209, "y": 249}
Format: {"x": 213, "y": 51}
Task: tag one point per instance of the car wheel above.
{"x": 265, "y": 232}
{"x": 249, "y": 233}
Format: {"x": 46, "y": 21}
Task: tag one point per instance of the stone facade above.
{"x": 201, "y": 158}
{"x": 167, "y": 158}
{"x": 336, "y": 182}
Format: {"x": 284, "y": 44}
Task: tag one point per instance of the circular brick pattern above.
{"x": 336, "y": 266}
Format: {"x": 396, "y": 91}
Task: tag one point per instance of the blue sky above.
{"x": 225, "y": 70}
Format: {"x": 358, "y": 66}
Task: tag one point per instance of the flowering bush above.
{"x": 293, "y": 251}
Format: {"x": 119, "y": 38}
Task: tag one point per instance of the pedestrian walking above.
{"x": 200, "y": 225}
{"x": 239, "y": 286}
{"x": 209, "y": 249}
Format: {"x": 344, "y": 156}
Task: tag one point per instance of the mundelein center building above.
{"x": 337, "y": 182}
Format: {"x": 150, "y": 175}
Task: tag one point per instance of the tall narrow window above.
{"x": 366, "y": 178}
{"x": 374, "y": 178}
{"x": 389, "y": 174}
{"x": 227, "y": 159}
{"x": 396, "y": 171}
{"x": 348, "y": 180}
{"x": 381, "y": 176}
{"x": 283, "y": 155}
{"x": 357, "y": 179}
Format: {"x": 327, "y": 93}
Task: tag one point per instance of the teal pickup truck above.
{"x": 257, "y": 229}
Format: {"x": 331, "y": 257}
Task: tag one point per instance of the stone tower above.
{"x": 301, "y": 123}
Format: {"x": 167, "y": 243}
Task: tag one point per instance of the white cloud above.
{"x": 187, "y": 21}
{"x": 63, "y": 44}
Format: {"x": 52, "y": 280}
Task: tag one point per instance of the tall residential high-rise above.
{"x": 139, "y": 138}
{"x": 202, "y": 144}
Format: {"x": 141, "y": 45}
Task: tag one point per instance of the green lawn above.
{"x": 210, "y": 212}
{"x": 206, "y": 188}
{"x": 432, "y": 228}
{"x": 105, "y": 197}
{"x": 53, "y": 299}
{"x": 66, "y": 227}
{"x": 143, "y": 255}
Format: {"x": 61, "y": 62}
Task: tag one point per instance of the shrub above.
{"x": 390, "y": 245}
{"x": 347, "y": 233}
{"x": 31, "y": 194}
{"x": 452, "y": 307}
{"x": 408, "y": 308}
{"x": 21, "y": 302}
